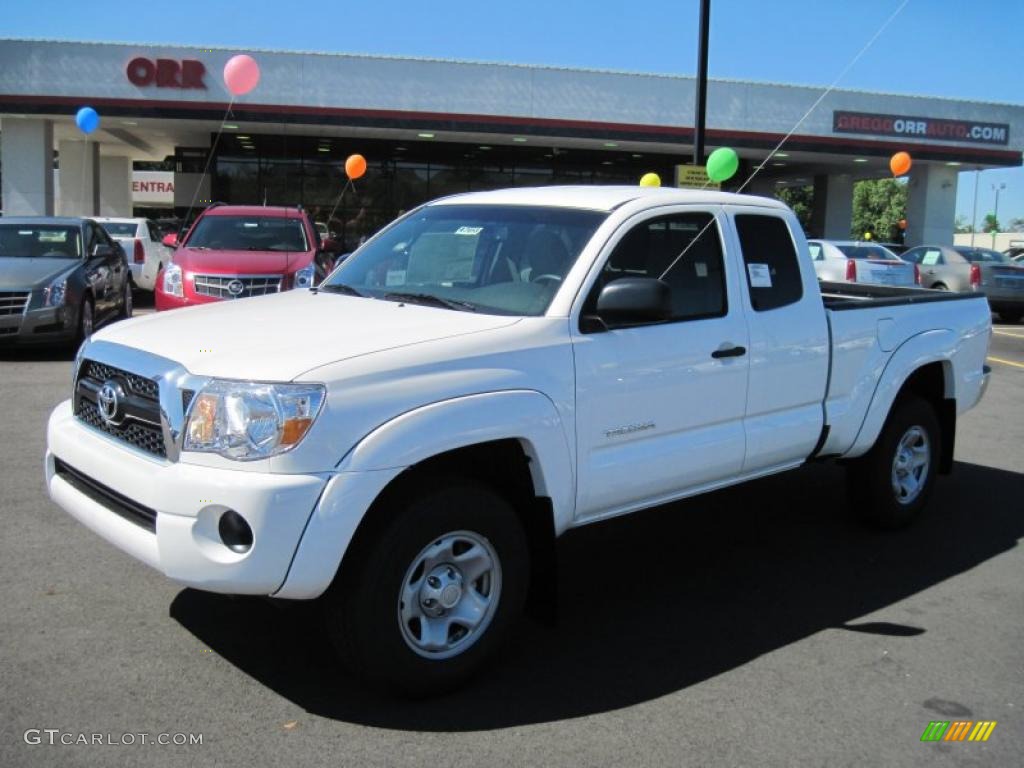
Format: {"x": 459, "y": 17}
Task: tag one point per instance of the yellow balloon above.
{"x": 650, "y": 180}
{"x": 867, "y": 235}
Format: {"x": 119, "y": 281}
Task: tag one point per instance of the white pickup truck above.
{"x": 489, "y": 371}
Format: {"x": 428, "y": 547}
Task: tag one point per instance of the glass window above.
{"x": 120, "y": 228}
{"x": 913, "y": 255}
{"x": 773, "y": 272}
{"x": 248, "y": 233}
{"x": 932, "y": 256}
{"x": 496, "y": 259}
{"x": 862, "y": 251}
{"x": 49, "y": 241}
{"x": 817, "y": 252}
{"x": 682, "y": 249}
{"x": 984, "y": 256}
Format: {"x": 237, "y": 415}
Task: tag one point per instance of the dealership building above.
{"x": 433, "y": 127}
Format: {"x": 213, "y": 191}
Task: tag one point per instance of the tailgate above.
{"x": 884, "y": 272}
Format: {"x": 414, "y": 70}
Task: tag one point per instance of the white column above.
{"x": 115, "y": 186}
{"x": 27, "y": 158}
{"x": 931, "y": 205}
{"x": 79, "y": 178}
{"x": 838, "y": 206}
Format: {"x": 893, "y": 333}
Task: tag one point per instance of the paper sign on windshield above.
{"x": 760, "y": 275}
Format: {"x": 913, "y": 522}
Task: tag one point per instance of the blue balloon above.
{"x": 87, "y": 120}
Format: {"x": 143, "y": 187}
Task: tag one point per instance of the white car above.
{"x": 488, "y": 372}
{"x": 140, "y": 239}
{"x": 848, "y": 261}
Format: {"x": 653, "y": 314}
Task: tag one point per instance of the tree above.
{"x": 991, "y": 223}
{"x": 878, "y": 207}
{"x": 1017, "y": 225}
{"x": 801, "y": 200}
{"x": 961, "y": 224}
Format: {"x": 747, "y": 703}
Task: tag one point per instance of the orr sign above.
{"x": 920, "y": 127}
{"x": 166, "y": 73}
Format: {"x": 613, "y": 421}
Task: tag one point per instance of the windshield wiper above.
{"x": 348, "y": 290}
{"x": 430, "y": 300}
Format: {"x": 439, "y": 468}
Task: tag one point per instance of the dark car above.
{"x": 59, "y": 278}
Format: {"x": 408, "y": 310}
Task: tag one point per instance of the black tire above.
{"x": 1010, "y": 317}
{"x": 940, "y": 287}
{"x": 126, "y": 301}
{"x": 363, "y": 605}
{"x": 86, "y": 320}
{"x": 875, "y": 477}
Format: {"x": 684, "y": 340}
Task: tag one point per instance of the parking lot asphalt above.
{"x": 756, "y": 626}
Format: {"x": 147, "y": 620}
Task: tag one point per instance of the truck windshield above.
{"x": 248, "y": 233}
{"x": 45, "y": 241}
{"x": 507, "y": 260}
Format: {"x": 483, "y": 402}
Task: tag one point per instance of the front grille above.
{"x": 139, "y": 413}
{"x": 235, "y": 287}
{"x": 13, "y": 302}
{"x": 117, "y": 503}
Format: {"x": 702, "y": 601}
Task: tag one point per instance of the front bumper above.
{"x": 38, "y": 326}
{"x": 188, "y": 501}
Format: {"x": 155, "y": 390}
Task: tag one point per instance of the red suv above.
{"x": 235, "y": 251}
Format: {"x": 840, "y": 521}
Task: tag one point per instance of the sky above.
{"x": 946, "y": 48}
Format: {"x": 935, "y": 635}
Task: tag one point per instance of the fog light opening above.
{"x": 235, "y": 532}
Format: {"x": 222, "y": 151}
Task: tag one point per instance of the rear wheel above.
{"x": 126, "y": 300}
{"x": 423, "y": 603}
{"x": 892, "y": 482}
{"x": 940, "y": 287}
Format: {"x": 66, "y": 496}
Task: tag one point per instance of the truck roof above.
{"x": 603, "y": 198}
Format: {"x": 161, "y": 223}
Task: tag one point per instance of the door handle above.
{"x": 729, "y": 352}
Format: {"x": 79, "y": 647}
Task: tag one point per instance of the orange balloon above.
{"x": 900, "y": 163}
{"x": 355, "y": 166}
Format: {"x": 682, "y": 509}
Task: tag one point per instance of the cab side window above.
{"x": 773, "y": 271}
{"x": 682, "y": 249}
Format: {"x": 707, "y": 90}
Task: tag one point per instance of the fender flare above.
{"x": 936, "y": 346}
{"x": 524, "y": 415}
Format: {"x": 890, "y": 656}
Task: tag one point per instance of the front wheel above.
{"x": 892, "y": 482}
{"x": 126, "y": 301}
{"x": 422, "y": 603}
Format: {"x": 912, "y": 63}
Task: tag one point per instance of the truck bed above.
{"x": 841, "y": 296}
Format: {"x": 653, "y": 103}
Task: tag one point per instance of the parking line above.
{"x": 1007, "y": 333}
{"x": 1005, "y": 362}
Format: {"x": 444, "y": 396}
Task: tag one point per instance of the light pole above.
{"x": 995, "y": 214}
{"x": 701, "y": 95}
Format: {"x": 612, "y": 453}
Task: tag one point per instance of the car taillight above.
{"x": 140, "y": 252}
{"x": 917, "y": 275}
{"x": 975, "y": 276}
{"x": 851, "y": 271}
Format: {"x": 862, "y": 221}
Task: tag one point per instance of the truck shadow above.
{"x": 654, "y": 603}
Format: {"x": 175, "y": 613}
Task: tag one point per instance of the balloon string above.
{"x": 338, "y": 200}
{"x": 793, "y": 130}
{"x": 206, "y": 167}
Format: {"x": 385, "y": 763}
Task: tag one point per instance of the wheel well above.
{"x": 929, "y": 383}
{"x": 504, "y": 466}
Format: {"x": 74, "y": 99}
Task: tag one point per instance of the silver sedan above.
{"x": 965, "y": 268}
{"x": 847, "y": 261}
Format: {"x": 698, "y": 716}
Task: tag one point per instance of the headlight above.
{"x": 172, "y": 280}
{"x": 54, "y": 293}
{"x": 304, "y": 277}
{"x": 247, "y": 421}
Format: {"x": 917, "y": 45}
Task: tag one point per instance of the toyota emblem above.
{"x": 235, "y": 288}
{"x": 109, "y": 401}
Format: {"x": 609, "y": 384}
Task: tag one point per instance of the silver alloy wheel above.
{"x": 911, "y": 464}
{"x": 86, "y": 319}
{"x": 449, "y": 595}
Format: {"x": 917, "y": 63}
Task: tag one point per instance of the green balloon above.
{"x": 723, "y": 164}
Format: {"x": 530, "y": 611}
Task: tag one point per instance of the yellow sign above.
{"x": 694, "y": 177}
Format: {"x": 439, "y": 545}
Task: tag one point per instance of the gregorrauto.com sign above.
{"x": 920, "y": 127}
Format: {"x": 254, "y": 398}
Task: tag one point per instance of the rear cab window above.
{"x": 770, "y": 261}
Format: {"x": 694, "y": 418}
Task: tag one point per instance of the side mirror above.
{"x": 171, "y": 240}
{"x": 103, "y": 251}
{"x": 634, "y": 301}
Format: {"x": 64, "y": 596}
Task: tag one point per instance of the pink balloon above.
{"x": 241, "y": 74}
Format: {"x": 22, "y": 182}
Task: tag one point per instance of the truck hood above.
{"x": 18, "y": 273}
{"x": 279, "y": 337}
{"x": 240, "y": 262}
